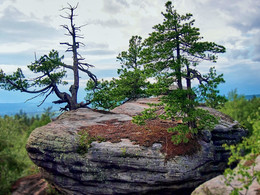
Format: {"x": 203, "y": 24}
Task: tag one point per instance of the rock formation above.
{"x": 32, "y": 184}
{"x": 92, "y": 152}
{"x": 217, "y": 185}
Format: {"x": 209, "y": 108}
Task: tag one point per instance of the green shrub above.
{"x": 243, "y": 110}
{"x": 14, "y": 161}
{"x": 247, "y": 113}
{"x": 245, "y": 171}
{"x": 85, "y": 140}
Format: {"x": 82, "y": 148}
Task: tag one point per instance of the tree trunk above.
{"x": 178, "y": 67}
{"x": 188, "y": 78}
{"x": 74, "y": 88}
{"x": 191, "y": 124}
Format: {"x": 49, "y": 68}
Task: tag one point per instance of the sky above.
{"x": 32, "y": 28}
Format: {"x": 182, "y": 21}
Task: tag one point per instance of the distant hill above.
{"x": 249, "y": 97}
{"x": 28, "y": 107}
{"x": 32, "y": 108}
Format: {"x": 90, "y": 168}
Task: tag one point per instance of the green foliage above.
{"x": 50, "y": 70}
{"x": 131, "y": 83}
{"x": 51, "y": 67}
{"x": 85, "y": 140}
{"x": 130, "y": 59}
{"x": 17, "y": 78}
{"x": 178, "y": 107}
{"x": 51, "y": 190}
{"x": 246, "y": 112}
{"x": 123, "y": 151}
{"x": 160, "y": 86}
{"x": 103, "y": 94}
{"x": 171, "y": 54}
{"x": 145, "y": 115}
{"x": 207, "y": 92}
{"x": 174, "y": 49}
{"x": 245, "y": 171}
{"x": 14, "y": 161}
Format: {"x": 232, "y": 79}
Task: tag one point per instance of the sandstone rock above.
{"x": 217, "y": 185}
{"x": 33, "y": 184}
{"x": 124, "y": 166}
{"x": 133, "y": 108}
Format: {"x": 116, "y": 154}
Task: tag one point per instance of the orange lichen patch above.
{"x": 251, "y": 161}
{"x": 155, "y": 131}
{"x": 257, "y": 191}
{"x": 248, "y": 163}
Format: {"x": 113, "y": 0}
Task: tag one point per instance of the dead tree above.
{"x": 53, "y": 70}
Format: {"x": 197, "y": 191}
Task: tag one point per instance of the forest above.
{"x": 14, "y": 160}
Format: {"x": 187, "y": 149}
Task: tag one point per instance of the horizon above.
{"x": 31, "y": 108}
{"x": 25, "y": 98}
{"x": 247, "y": 96}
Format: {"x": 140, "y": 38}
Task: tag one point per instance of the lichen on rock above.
{"x": 128, "y": 159}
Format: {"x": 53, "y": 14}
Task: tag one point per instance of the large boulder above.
{"x": 92, "y": 152}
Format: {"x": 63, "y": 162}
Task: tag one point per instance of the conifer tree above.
{"x": 171, "y": 54}
{"x": 132, "y": 78}
{"x": 130, "y": 85}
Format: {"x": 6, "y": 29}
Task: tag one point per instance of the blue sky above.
{"x": 33, "y": 26}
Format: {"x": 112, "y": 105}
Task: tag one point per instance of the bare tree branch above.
{"x": 66, "y": 43}
{"x": 197, "y": 75}
{"x": 67, "y": 66}
{"x": 45, "y": 98}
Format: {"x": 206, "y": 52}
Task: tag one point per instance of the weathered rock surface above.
{"x": 124, "y": 167}
{"x": 33, "y": 184}
{"x": 133, "y": 108}
{"x": 217, "y": 185}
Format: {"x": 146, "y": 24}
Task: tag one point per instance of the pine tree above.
{"x": 171, "y": 54}
{"x": 130, "y": 85}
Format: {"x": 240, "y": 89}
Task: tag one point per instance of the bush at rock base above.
{"x": 14, "y": 160}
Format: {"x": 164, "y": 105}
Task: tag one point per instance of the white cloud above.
{"x": 13, "y": 48}
{"x": 29, "y": 26}
{"x": 9, "y": 69}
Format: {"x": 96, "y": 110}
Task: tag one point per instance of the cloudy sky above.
{"x": 30, "y": 27}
